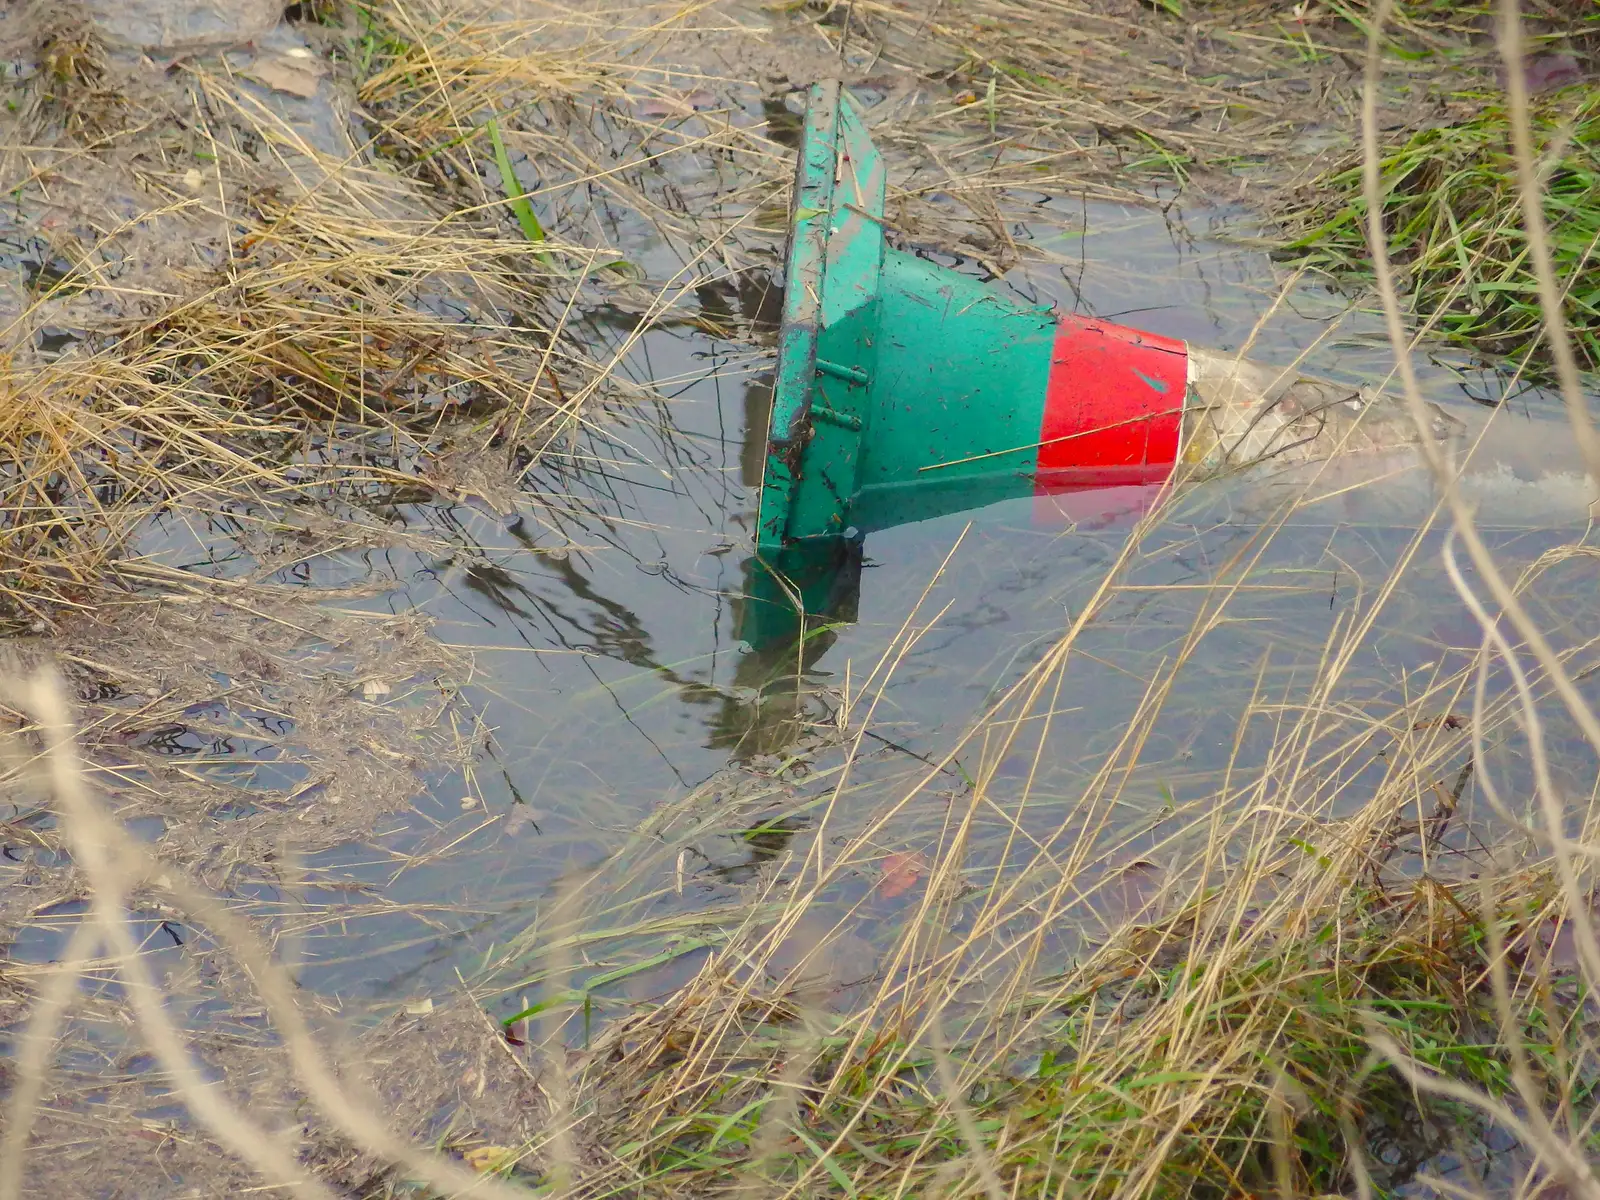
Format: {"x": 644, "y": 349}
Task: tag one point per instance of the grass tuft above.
{"x": 312, "y": 371}
{"x": 1180, "y": 1058}
{"x": 353, "y": 325}
{"x": 1452, "y": 214}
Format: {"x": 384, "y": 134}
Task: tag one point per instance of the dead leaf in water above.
{"x": 520, "y": 816}
{"x": 296, "y": 76}
{"x": 1548, "y": 72}
{"x": 1129, "y": 891}
{"x": 487, "y": 1159}
{"x": 1558, "y": 938}
{"x": 901, "y": 872}
{"x": 656, "y": 107}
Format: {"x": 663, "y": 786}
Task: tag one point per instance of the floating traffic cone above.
{"x": 906, "y": 390}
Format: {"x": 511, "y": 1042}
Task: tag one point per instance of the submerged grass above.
{"x": 1279, "y": 1012}
{"x": 1253, "y": 1020}
{"x": 355, "y": 322}
{"x": 1453, "y": 215}
{"x": 1208, "y": 1065}
{"x": 311, "y": 369}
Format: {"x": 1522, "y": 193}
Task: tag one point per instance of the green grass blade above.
{"x": 515, "y": 196}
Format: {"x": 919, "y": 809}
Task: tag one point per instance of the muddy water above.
{"x": 612, "y": 682}
{"x": 636, "y": 758}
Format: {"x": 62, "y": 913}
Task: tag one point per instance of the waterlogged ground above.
{"x": 634, "y": 764}
{"x": 611, "y": 681}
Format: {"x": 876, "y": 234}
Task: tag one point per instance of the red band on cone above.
{"x": 1113, "y": 411}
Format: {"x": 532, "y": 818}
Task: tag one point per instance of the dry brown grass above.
{"x": 1097, "y": 94}
{"x": 369, "y": 318}
{"x": 1318, "y": 973}
{"x": 1309, "y": 971}
{"x": 309, "y": 374}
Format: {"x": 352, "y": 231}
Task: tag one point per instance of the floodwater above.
{"x": 642, "y": 776}
{"x": 613, "y": 685}
{"x": 610, "y": 669}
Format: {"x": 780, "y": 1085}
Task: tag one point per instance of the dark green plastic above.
{"x": 904, "y": 389}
